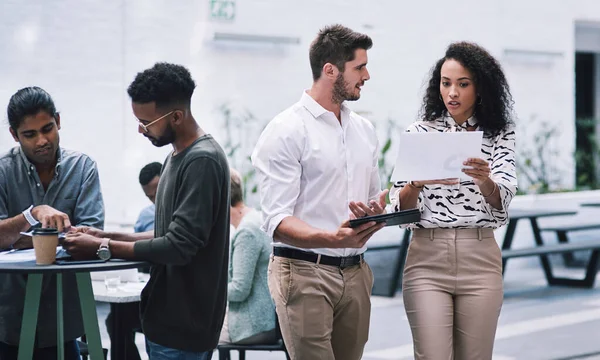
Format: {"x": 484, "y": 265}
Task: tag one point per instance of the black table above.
{"x": 86, "y": 297}
{"x": 516, "y": 214}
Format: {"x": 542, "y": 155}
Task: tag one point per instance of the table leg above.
{"x": 30, "y": 316}
{"x": 116, "y": 344}
{"x": 508, "y": 239}
{"x": 60, "y": 336}
{"x": 90, "y": 318}
{"x": 537, "y": 235}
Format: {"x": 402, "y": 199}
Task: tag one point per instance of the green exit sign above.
{"x": 222, "y": 9}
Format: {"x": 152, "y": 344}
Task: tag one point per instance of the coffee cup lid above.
{"x": 45, "y": 231}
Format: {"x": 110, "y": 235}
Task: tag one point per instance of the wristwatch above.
{"x": 104, "y": 251}
{"x": 30, "y": 219}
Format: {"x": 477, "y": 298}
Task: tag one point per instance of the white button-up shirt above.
{"x": 310, "y": 166}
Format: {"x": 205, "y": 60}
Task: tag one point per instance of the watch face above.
{"x": 104, "y": 254}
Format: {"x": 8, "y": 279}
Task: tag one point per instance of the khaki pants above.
{"x": 323, "y": 311}
{"x": 452, "y": 290}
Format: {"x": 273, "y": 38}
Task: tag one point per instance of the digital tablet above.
{"x": 78, "y": 262}
{"x": 395, "y": 218}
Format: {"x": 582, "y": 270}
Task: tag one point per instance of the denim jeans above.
{"x": 9, "y": 352}
{"x": 159, "y": 352}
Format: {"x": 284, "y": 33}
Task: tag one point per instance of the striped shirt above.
{"x": 462, "y": 205}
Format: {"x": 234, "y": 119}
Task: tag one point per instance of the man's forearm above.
{"x": 295, "y": 232}
{"x": 122, "y": 250}
{"x": 10, "y": 230}
{"x": 130, "y": 237}
{"x": 24, "y": 242}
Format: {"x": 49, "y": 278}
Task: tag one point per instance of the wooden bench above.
{"x": 541, "y": 250}
{"x": 561, "y": 235}
{"x": 561, "y": 248}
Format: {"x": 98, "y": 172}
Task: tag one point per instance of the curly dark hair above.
{"x": 494, "y": 108}
{"x": 335, "y": 44}
{"x": 149, "y": 172}
{"x": 165, "y": 84}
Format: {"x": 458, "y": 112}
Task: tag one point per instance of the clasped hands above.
{"x": 83, "y": 242}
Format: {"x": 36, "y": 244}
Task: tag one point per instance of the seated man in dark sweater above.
{"x": 183, "y": 305}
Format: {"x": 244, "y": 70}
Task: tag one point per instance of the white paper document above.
{"x": 17, "y": 255}
{"x": 435, "y": 155}
{"x": 20, "y": 255}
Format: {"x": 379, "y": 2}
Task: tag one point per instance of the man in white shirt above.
{"x": 317, "y": 166}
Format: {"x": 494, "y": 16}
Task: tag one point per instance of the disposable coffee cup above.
{"x": 45, "y": 242}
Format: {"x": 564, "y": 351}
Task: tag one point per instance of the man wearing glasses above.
{"x": 42, "y": 185}
{"x": 183, "y": 305}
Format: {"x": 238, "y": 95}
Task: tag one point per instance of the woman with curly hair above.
{"x": 452, "y": 285}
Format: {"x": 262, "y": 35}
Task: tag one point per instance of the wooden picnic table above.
{"x": 516, "y": 214}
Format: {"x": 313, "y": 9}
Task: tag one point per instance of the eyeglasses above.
{"x": 145, "y": 127}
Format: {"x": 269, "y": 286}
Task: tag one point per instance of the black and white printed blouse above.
{"x": 462, "y": 205}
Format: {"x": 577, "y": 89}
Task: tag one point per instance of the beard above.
{"x": 341, "y": 92}
{"x": 168, "y": 137}
{"x": 43, "y": 156}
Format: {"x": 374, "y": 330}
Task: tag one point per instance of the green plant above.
{"x": 242, "y": 130}
{"x": 536, "y": 160}
{"x": 386, "y": 167}
{"x": 385, "y": 162}
{"x": 586, "y": 153}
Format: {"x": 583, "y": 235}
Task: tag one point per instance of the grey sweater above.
{"x": 183, "y": 304}
{"x": 251, "y": 309}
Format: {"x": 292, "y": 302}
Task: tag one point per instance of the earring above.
{"x": 480, "y": 101}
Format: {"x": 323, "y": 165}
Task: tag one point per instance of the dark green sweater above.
{"x": 183, "y": 304}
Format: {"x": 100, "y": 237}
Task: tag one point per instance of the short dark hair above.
{"x": 335, "y": 44}
{"x": 494, "y": 109}
{"x": 149, "y": 172}
{"x": 237, "y": 191}
{"x": 29, "y": 101}
{"x": 165, "y": 84}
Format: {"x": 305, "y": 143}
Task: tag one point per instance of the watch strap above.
{"x": 105, "y": 243}
{"x": 30, "y": 219}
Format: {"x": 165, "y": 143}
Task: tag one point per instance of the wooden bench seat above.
{"x": 563, "y": 238}
{"x": 562, "y": 248}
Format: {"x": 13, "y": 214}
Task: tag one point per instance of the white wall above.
{"x": 85, "y": 53}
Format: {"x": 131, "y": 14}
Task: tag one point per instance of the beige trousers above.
{"x": 452, "y": 289}
{"x": 323, "y": 311}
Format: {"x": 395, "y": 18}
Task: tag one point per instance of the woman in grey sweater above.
{"x": 250, "y": 316}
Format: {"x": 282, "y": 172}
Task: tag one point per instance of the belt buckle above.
{"x": 345, "y": 262}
